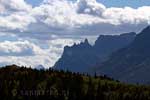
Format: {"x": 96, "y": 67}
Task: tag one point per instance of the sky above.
{"x": 34, "y": 32}
{"x": 108, "y": 3}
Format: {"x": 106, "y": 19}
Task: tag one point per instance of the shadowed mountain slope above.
{"x": 83, "y": 57}
{"x": 130, "y": 64}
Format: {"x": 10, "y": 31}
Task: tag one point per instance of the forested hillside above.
{"x": 20, "y": 83}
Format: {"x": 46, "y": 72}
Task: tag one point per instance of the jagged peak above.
{"x": 75, "y": 44}
{"x": 86, "y": 41}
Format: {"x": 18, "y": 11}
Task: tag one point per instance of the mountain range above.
{"x": 83, "y": 57}
{"x": 132, "y": 63}
{"x": 125, "y": 57}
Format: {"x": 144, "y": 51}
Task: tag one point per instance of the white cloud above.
{"x": 19, "y": 48}
{"x": 90, "y": 7}
{"x": 29, "y": 54}
{"x": 23, "y": 53}
{"x": 89, "y": 17}
{"x": 14, "y": 5}
{"x": 128, "y": 15}
{"x": 15, "y": 15}
{"x": 15, "y": 21}
{"x": 67, "y": 17}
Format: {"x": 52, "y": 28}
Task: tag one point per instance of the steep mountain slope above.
{"x": 82, "y": 57}
{"x": 130, "y": 64}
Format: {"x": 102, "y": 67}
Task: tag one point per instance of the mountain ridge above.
{"x": 83, "y": 57}
{"x": 130, "y": 64}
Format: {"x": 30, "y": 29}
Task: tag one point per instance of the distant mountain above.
{"x": 40, "y": 67}
{"x": 83, "y": 57}
{"x": 130, "y": 64}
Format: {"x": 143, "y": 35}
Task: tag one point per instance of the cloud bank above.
{"x": 66, "y": 17}
{"x": 45, "y": 29}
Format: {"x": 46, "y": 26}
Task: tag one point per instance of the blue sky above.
{"x": 123, "y": 3}
{"x": 109, "y": 3}
{"x": 34, "y": 2}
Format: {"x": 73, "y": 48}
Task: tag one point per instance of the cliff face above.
{"x": 83, "y": 57}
